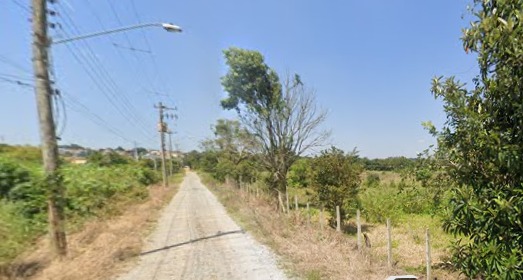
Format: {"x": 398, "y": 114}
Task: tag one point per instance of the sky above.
{"x": 370, "y": 64}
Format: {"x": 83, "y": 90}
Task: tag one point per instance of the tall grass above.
{"x": 90, "y": 191}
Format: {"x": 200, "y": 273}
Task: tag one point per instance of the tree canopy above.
{"x": 482, "y": 141}
{"x": 281, "y": 116}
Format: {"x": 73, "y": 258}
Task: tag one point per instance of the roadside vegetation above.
{"x": 97, "y": 189}
{"x": 265, "y": 152}
{"x": 469, "y": 185}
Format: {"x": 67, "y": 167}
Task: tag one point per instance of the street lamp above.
{"x": 43, "y": 92}
{"x": 167, "y": 26}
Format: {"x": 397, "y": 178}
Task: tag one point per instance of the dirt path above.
{"x": 196, "y": 239}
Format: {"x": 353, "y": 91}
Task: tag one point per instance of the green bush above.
{"x": 392, "y": 200}
{"x": 12, "y": 175}
{"x": 90, "y": 189}
{"x": 380, "y": 202}
{"x": 16, "y": 232}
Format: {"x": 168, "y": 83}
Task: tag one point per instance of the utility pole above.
{"x": 49, "y": 144}
{"x": 170, "y": 153}
{"x": 135, "y": 151}
{"x": 162, "y": 128}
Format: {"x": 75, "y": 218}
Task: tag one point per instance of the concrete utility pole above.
{"x": 162, "y": 128}
{"x": 49, "y": 144}
{"x": 170, "y": 153}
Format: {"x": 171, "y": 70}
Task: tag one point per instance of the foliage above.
{"x": 205, "y": 161}
{"x": 232, "y": 146}
{"x": 91, "y": 190}
{"x": 336, "y": 180}
{"x": 12, "y": 176}
{"x": 16, "y": 232}
{"x": 299, "y": 174}
{"x": 387, "y": 164}
{"x": 27, "y": 156}
{"x": 281, "y": 116}
{"x": 107, "y": 159}
{"x": 483, "y": 142}
{"x": 394, "y": 200}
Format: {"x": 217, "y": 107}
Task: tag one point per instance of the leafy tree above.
{"x": 107, "y": 159}
{"x": 11, "y": 177}
{"x": 281, "y": 116}
{"x": 483, "y": 142}
{"x": 387, "y": 164}
{"x": 141, "y": 151}
{"x": 232, "y": 145}
{"x": 336, "y": 179}
{"x": 299, "y": 174}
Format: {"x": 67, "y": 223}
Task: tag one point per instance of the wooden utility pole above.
{"x": 49, "y": 145}
{"x": 162, "y": 128}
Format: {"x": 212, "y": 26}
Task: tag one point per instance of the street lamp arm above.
{"x": 167, "y": 26}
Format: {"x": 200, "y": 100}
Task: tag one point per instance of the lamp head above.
{"x": 171, "y": 27}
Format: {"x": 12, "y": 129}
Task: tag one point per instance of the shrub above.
{"x": 336, "y": 179}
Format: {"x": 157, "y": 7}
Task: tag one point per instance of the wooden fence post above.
{"x": 429, "y": 259}
{"x": 389, "y": 244}
{"x": 308, "y": 215}
{"x": 280, "y": 202}
{"x": 358, "y": 226}
{"x": 287, "y": 199}
{"x": 296, "y": 202}
{"x": 321, "y": 219}
{"x": 338, "y": 219}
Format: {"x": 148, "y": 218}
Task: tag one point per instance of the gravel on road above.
{"x": 196, "y": 239}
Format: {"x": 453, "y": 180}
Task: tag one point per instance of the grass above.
{"x": 311, "y": 253}
{"x": 307, "y": 251}
{"x": 102, "y": 247}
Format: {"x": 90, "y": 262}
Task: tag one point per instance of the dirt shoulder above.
{"x": 311, "y": 251}
{"x": 101, "y": 248}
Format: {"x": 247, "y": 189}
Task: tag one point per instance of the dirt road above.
{"x": 196, "y": 239}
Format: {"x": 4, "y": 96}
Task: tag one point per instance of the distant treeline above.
{"x": 387, "y": 164}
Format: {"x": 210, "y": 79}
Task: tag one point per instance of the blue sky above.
{"x": 369, "y": 62}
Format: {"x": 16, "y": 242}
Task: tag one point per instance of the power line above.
{"x": 11, "y": 76}
{"x": 103, "y": 81}
{"x": 20, "y": 83}
{"x": 153, "y": 56}
{"x": 13, "y": 64}
{"x": 138, "y": 59}
{"x": 80, "y": 108}
{"x": 21, "y": 6}
{"x": 125, "y": 101}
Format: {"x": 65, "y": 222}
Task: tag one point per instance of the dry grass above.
{"x": 99, "y": 249}
{"x": 310, "y": 252}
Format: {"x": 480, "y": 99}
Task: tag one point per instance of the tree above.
{"x": 108, "y": 159}
{"x": 336, "y": 179}
{"x": 299, "y": 173}
{"x": 281, "y": 116}
{"x": 232, "y": 144}
{"x": 483, "y": 143}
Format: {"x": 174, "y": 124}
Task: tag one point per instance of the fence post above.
{"x": 287, "y": 199}
{"x": 321, "y": 219}
{"x": 338, "y": 219}
{"x": 280, "y": 202}
{"x": 358, "y": 226}
{"x": 389, "y": 244}
{"x": 296, "y": 202}
{"x": 308, "y": 216}
{"x": 429, "y": 259}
